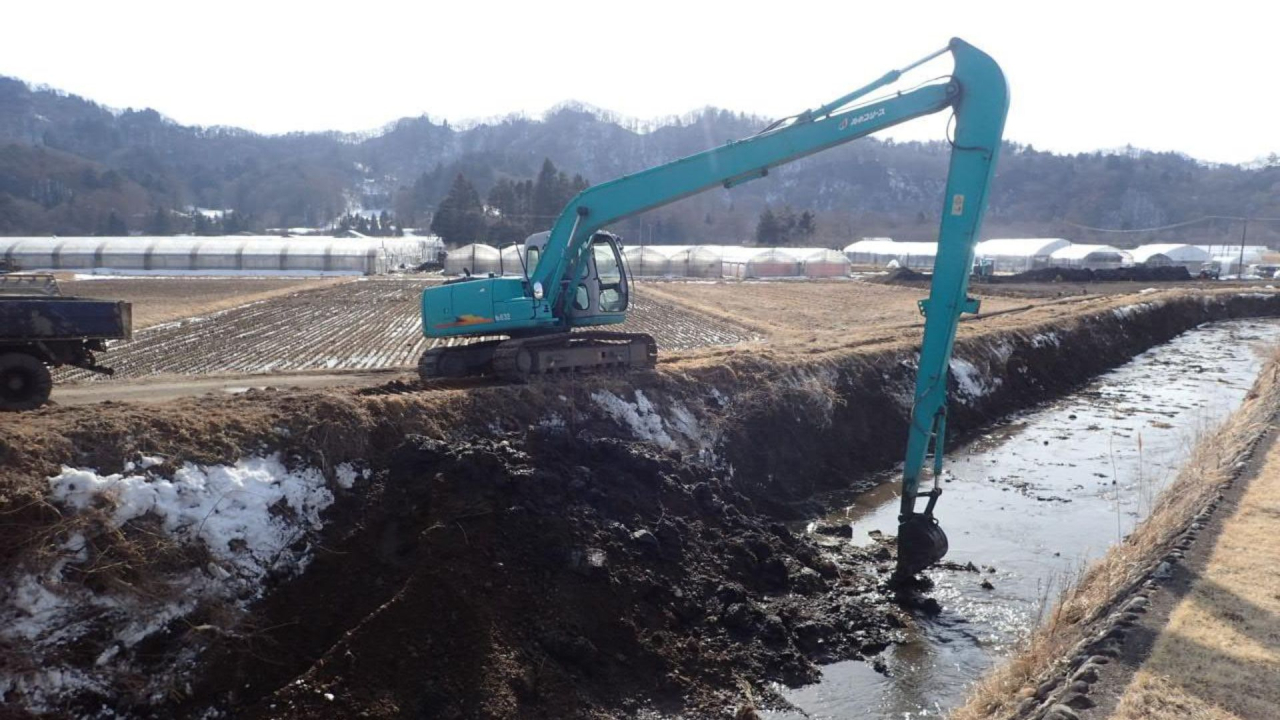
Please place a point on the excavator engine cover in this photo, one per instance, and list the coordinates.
(921, 543)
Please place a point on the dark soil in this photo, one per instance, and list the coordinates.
(1140, 273)
(553, 577)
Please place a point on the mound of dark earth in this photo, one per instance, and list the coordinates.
(550, 577)
(1139, 273)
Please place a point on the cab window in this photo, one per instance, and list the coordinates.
(606, 263)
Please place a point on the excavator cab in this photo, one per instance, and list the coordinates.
(602, 292)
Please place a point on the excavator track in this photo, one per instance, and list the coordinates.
(520, 359)
(457, 361)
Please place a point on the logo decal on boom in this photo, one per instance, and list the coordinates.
(864, 117)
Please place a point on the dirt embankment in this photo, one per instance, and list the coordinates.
(512, 550)
(549, 576)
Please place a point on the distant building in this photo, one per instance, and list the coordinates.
(1189, 256)
(879, 252)
(1090, 257)
(218, 255)
(1015, 255)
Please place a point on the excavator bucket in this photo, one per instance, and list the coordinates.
(921, 543)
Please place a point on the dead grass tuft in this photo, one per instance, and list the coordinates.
(1154, 696)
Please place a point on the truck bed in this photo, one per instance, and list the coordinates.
(43, 318)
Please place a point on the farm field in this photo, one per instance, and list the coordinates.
(817, 313)
(364, 325)
(160, 300)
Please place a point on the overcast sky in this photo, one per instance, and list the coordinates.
(1084, 75)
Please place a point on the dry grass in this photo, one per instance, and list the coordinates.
(1220, 651)
(1092, 598)
(807, 312)
(1152, 696)
(161, 300)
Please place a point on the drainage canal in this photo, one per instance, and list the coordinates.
(1027, 506)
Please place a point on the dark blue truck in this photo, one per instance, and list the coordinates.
(40, 328)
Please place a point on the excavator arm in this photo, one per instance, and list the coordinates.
(524, 307)
(979, 96)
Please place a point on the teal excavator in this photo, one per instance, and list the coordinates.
(574, 277)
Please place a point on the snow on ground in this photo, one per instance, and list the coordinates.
(1127, 311)
(641, 416)
(971, 383)
(227, 508)
(254, 519)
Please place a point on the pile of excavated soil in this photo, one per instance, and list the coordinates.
(555, 577)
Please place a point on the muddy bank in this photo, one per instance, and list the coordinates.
(548, 576)
(515, 545)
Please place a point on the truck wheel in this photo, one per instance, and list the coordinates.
(25, 382)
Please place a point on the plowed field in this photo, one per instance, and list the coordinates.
(163, 299)
(362, 325)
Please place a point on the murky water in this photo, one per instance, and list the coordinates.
(1035, 500)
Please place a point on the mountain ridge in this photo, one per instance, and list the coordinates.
(870, 187)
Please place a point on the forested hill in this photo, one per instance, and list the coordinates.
(68, 165)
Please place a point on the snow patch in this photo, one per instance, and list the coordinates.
(254, 519)
(1125, 312)
(971, 383)
(237, 511)
(640, 417)
(1046, 339)
(554, 421)
(346, 475)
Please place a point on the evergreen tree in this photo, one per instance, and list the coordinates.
(768, 229)
(232, 223)
(160, 224)
(806, 225)
(552, 190)
(785, 227)
(460, 217)
(114, 226)
(200, 224)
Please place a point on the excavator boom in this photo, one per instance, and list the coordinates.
(574, 276)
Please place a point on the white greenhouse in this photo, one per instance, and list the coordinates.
(1090, 257)
(876, 252)
(1015, 255)
(751, 262)
(1252, 253)
(476, 258)
(648, 261)
(700, 261)
(225, 255)
(881, 252)
(1189, 256)
(820, 262)
(1150, 258)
